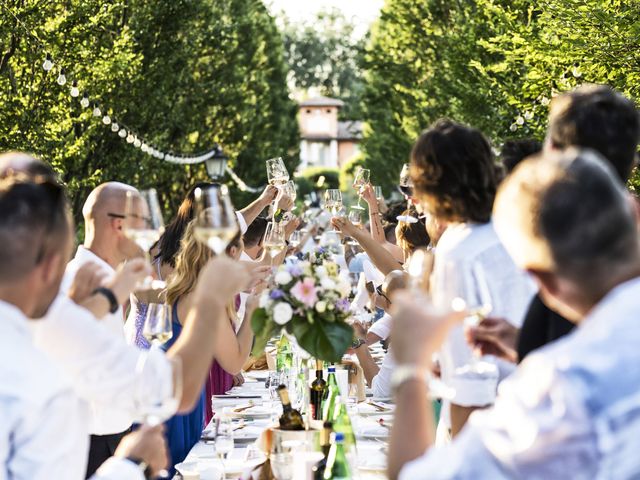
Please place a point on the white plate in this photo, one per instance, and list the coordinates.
(373, 432)
(257, 411)
(257, 374)
(206, 470)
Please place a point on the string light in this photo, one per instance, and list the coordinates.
(84, 103)
(544, 101)
(124, 133)
(528, 115)
(575, 71)
(48, 63)
(520, 120)
(62, 79)
(513, 127)
(74, 92)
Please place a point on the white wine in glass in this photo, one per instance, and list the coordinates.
(277, 173)
(333, 200)
(360, 182)
(274, 241)
(216, 223)
(157, 324)
(143, 224)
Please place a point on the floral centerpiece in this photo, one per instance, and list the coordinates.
(311, 302)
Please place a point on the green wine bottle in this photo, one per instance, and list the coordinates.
(329, 400)
(284, 355)
(325, 446)
(342, 424)
(337, 465)
(290, 418)
(317, 390)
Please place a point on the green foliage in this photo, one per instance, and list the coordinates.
(186, 74)
(324, 54)
(313, 174)
(493, 64)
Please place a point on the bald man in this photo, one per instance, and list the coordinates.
(106, 246)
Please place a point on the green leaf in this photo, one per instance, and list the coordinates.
(323, 340)
(263, 328)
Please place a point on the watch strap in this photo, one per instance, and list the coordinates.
(110, 296)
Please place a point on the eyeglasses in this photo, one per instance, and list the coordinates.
(381, 293)
(132, 215)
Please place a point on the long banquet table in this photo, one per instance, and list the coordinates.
(371, 436)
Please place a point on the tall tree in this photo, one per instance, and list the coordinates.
(186, 74)
(324, 54)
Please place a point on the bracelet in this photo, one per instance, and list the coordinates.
(111, 298)
(358, 343)
(405, 373)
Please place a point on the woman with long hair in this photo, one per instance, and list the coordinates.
(183, 431)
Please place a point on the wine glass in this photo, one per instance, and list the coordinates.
(360, 182)
(406, 188)
(295, 239)
(476, 311)
(377, 190)
(274, 241)
(153, 404)
(333, 200)
(355, 217)
(277, 173)
(216, 223)
(157, 324)
(144, 225)
(223, 439)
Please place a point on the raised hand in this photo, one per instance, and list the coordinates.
(344, 226)
(89, 277)
(146, 444)
(128, 275)
(494, 336)
(418, 328)
(268, 195)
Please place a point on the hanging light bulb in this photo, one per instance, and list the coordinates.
(519, 120)
(144, 148)
(137, 143)
(544, 101)
(513, 127)
(122, 133)
(84, 103)
(48, 63)
(575, 71)
(74, 89)
(528, 115)
(115, 127)
(106, 119)
(62, 79)
(96, 110)
(130, 138)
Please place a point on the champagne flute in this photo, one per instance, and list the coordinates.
(377, 190)
(274, 241)
(216, 223)
(277, 173)
(143, 224)
(406, 188)
(333, 200)
(360, 181)
(157, 327)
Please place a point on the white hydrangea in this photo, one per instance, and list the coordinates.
(321, 272)
(283, 277)
(327, 283)
(282, 313)
(265, 301)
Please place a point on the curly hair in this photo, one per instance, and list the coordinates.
(190, 260)
(453, 172)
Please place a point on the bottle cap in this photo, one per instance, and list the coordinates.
(339, 437)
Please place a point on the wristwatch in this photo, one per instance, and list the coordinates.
(109, 295)
(141, 464)
(405, 373)
(358, 343)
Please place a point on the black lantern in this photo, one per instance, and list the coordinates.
(217, 164)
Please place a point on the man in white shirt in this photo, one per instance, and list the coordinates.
(572, 408)
(470, 262)
(99, 365)
(105, 245)
(42, 432)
